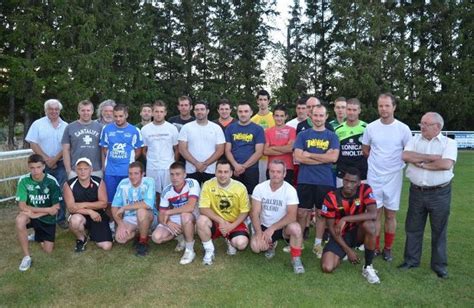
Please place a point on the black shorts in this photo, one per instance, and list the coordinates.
(350, 237)
(201, 177)
(249, 178)
(311, 196)
(277, 235)
(99, 231)
(289, 177)
(43, 231)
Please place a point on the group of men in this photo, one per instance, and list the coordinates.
(210, 178)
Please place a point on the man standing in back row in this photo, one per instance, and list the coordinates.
(383, 142)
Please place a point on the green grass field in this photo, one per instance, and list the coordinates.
(117, 278)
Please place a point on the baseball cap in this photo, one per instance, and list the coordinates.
(84, 160)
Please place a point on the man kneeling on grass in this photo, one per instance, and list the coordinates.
(86, 199)
(178, 211)
(350, 211)
(274, 209)
(38, 196)
(133, 208)
(223, 205)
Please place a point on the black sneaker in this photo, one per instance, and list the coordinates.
(387, 255)
(81, 245)
(142, 250)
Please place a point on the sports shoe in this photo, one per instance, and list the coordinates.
(31, 237)
(270, 253)
(298, 267)
(81, 245)
(208, 257)
(181, 243)
(318, 250)
(377, 252)
(387, 255)
(25, 263)
(361, 247)
(63, 224)
(188, 257)
(231, 250)
(142, 250)
(371, 274)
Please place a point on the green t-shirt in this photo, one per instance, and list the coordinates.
(45, 193)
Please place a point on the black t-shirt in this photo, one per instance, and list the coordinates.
(303, 125)
(178, 122)
(85, 194)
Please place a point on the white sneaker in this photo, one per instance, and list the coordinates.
(231, 250)
(270, 253)
(188, 257)
(25, 263)
(181, 243)
(287, 248)
(298, 267)
(208, 257)
(361, 247)
(318, 250)
(31, 237)
(371, 274)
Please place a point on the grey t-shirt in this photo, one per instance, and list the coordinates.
(84, 142)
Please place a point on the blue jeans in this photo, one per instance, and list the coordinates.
(60, 174)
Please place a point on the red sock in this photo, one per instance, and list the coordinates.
(377, 242)
(295, 252)
(143, 239)
(389, 238)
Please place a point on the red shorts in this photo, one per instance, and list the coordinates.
(239, 230)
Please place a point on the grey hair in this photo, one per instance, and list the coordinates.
(279, 162)
(107, 102)
(438, 118)
(52, 102)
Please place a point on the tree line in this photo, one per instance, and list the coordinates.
(137, 51)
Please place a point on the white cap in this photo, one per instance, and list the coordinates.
(84, 160)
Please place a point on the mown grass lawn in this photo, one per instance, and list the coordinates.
(118, 278)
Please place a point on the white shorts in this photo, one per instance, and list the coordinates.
(387, 189)
(339, 182)
(132, 220)
(161, 177)
(177, 220)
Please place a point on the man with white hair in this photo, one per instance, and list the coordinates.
(44, 137)
(105, 112)
(431, 158)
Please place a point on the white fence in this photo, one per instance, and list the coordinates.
(12, 155)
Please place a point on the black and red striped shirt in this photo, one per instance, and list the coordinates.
(336, 206)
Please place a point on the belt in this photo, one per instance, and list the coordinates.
(430, 188)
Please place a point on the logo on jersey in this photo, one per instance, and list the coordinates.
(318, 144)
(357, 202)
(30, 187)
(242, 137)
(118, 150)
(224, 206)
(87, 139)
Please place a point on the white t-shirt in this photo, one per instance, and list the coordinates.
(202, 141)
(386, 142)
(274, 203)
(294, 123)
(160, 140)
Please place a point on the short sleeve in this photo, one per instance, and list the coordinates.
(220, 138)
(244, 200)
(150, 195)
(119, 199)
(450, 150)
(56, 196)
(366, 140)
(183, 134)
(328, 208)
(194, 189)
(410, 146)
(257, 192)
(292, 196)
(205, 198)
(21, 193)
(104, 140)
(299, 142)
(33, 133)
(174, 134)
(138, 140)
(260, 135)
(334, 141)
(66, 139)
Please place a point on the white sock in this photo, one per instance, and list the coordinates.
(318, 241)
(208, 245)
(180, 238)
(189, 245)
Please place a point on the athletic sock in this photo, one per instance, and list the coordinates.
(143, 239)
(208, 245)
(389, 238)
(369, 257)
(377, 242)
(318, 241)
(189, 245)
(295, 252)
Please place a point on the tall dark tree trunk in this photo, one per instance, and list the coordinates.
(11, 123)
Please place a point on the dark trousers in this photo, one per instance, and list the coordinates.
(436, 204)
(60, 174)
(201, 177)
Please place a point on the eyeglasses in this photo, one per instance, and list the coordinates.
(426, 124)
